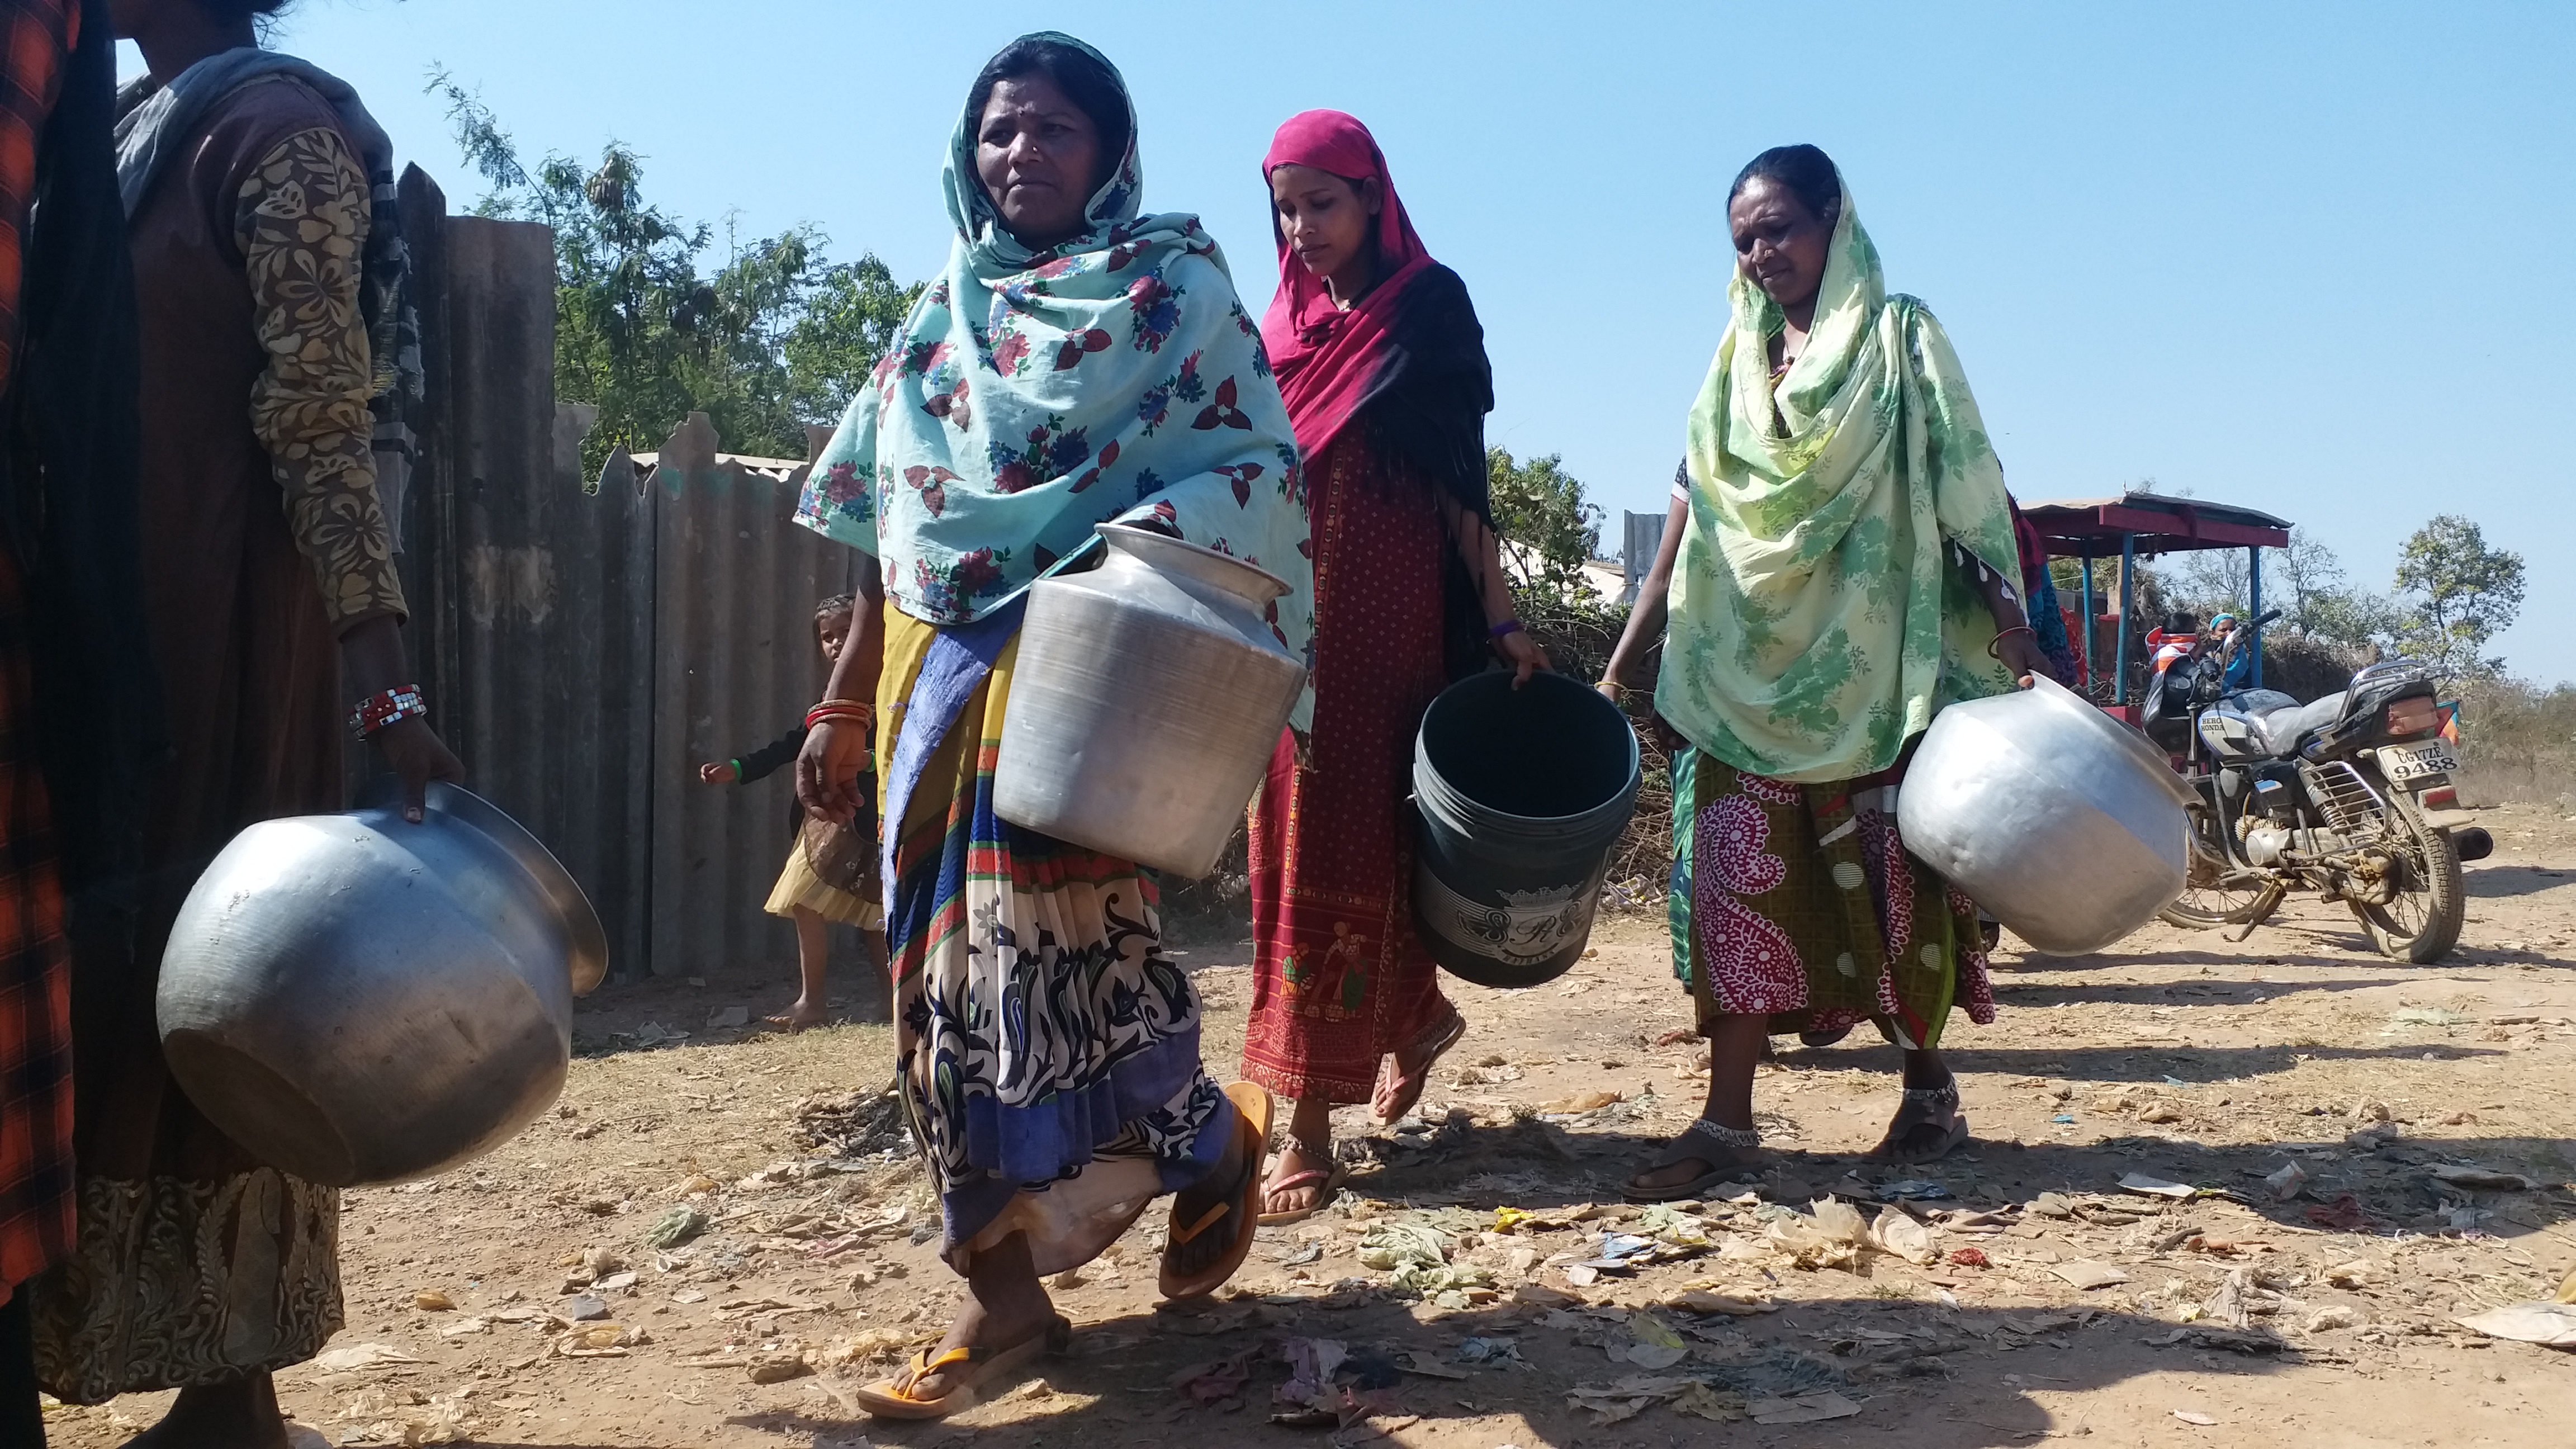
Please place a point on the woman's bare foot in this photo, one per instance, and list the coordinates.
(1005, 1306)
(804, 1013)
(1401, 1080)
(1223, 1184)
(242, 1414)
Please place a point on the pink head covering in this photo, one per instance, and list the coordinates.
(1328, 359)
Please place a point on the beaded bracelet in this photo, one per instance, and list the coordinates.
(387, 707)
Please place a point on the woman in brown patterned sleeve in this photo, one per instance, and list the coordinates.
(273, 605)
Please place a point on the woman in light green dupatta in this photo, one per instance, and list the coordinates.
(1838, 565)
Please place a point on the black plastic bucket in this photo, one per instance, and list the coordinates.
(1520, 795)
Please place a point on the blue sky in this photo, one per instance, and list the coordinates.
(2312, 258)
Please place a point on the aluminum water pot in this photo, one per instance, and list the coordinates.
(357, 999)
(2064, 824)
(1147, 698)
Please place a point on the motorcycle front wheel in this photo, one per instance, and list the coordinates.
(2218, 892)
(2421, 920)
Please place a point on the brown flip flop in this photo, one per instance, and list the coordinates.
(894, 1398)
(1252, 1128)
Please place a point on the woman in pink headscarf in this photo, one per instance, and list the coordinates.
(1382, 363)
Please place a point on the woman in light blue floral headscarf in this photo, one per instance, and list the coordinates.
(1076, 363)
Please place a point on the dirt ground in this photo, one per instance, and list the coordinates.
(2231, 1316)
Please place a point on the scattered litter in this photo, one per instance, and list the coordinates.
(2052, 1205)
(2483, 1179)
(1970, 1258)
(597, 1340)
(464, 1327)
(1311, 1253)
(776, 1368)
(1734, 1305)
(729, 1017)
(2139, 1182)
(676, 1226)
(360, 1356)
(1701, 1401)
(583, 1307)
(2328, 1319)
(1579, 1104)
(1911, 1190)
(2427, 1016)
(2089, 1273)
(2551, 1325)
(2190, 1417)
(1490, 1353)
(1804, 1409)
(2062, 1118)
(2343, 1215)
(2287, 1183)
(1899, 1233)
(432, 1301)
(1214, 1383)
(2371, 1109)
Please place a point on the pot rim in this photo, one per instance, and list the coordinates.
(588, 940)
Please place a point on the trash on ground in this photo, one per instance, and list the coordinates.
(359, 1356)
(2089, 1273)
(1804, 1409)
(2483, 1179)
(2139, 1182)
(2287, 1183)
(2549, 1324)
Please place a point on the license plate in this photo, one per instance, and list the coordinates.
(2401, 763)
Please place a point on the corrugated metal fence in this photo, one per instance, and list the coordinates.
(587, 643)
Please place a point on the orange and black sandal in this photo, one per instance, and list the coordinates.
(1252, 1132)
(894, 1398)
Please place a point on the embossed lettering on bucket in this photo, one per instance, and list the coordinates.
(1520, 794)
(358, 999)
(1146, 701)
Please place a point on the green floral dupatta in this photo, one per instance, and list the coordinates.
(1824, 604)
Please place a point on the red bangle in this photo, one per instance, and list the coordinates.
(387, 707)
(832, 709)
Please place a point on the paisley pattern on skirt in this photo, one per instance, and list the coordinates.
(1800, 903)
(219, 1278)
(1048, 1051)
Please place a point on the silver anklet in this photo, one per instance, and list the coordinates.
(1742, 1139)
(1945, 1095)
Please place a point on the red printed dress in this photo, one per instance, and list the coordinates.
(1340, 981)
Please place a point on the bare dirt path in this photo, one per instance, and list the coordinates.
(2229, 1317)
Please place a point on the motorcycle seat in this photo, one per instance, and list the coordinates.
(2280, 727)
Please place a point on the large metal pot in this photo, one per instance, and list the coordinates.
(1147, 699)
(2062, 823)
(357, 999)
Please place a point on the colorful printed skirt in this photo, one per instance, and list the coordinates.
(1339, 980)
(1047, 1049)
(1799, 903)
(36, 1185)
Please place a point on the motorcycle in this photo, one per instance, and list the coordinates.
(2350, 796)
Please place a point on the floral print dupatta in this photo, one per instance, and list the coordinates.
(1824, 604)
(1035, 395)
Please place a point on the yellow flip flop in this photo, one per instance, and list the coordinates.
(1252, 1128)
(894, 1398)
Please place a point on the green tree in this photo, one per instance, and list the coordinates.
(1547, 527)
(778, 337)
(2458, 594)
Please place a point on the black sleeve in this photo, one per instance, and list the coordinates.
(771, 757)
